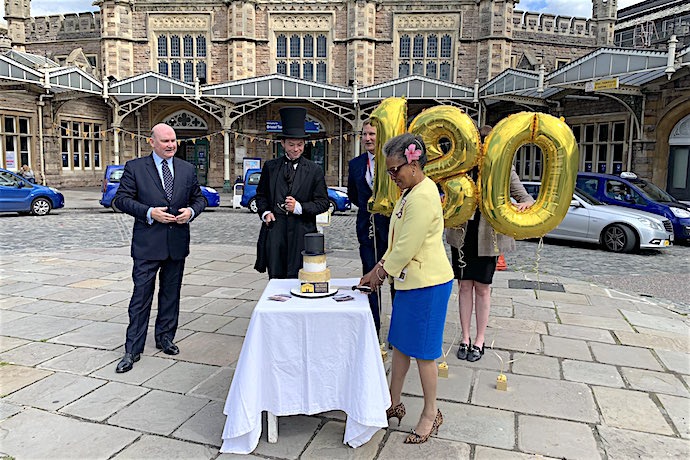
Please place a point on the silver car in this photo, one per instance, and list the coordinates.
(615, 228)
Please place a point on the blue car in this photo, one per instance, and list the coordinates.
(111, 182)
(19, 195)
(630, 191)
(337, 199)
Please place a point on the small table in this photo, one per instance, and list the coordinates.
(307, 356)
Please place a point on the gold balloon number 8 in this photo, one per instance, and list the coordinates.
(450, 125)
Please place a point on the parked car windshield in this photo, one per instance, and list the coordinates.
(587, 198)
(654, 192)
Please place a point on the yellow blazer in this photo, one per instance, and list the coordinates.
(416, 256)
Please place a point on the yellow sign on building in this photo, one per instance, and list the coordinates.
(602, 85)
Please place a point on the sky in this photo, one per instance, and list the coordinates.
(580, 8)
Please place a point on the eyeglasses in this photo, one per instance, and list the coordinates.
(395, 170)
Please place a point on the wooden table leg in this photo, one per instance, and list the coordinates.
(272, 427)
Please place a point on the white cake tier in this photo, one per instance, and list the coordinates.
(314, 267)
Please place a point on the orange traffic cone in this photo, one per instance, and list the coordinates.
(501, 264)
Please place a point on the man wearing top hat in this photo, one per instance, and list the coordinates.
(291, 192)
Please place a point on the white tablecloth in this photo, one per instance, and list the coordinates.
(306, 356)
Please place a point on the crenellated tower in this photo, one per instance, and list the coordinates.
(604, 14)
(242, 47)
(117, 38)
(494, 37)
(361, 41)
(17, 14)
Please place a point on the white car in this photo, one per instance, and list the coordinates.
(615, 228)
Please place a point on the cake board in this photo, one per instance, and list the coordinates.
(312, 295)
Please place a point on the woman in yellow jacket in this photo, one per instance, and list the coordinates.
(423, 278)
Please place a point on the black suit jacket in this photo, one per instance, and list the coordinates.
(359, 193)
(140, 189)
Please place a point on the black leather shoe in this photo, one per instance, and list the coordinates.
(463, 349)
(127, 362)
(475, 353)
(168, 347)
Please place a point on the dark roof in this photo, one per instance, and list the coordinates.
(647, 7)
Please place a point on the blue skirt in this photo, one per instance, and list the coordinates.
(418, 319)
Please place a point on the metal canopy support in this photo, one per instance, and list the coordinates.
(124, 109)
(345, 113)
(217, 111)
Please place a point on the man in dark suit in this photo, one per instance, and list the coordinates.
(162, 193)
(291, 192)
(372, 229)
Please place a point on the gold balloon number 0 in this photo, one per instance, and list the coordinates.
(464, 150)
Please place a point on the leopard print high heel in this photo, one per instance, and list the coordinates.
(397, 411)
(414, 438)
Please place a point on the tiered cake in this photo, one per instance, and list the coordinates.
(314, 277)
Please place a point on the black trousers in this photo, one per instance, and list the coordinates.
(169, 285)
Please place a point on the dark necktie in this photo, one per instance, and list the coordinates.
(167, 180)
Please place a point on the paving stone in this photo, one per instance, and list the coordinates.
(519, 325)
(10, 315)
(7, 409)
(454, 388)
(13, 378)
(61, 436)
(294, 432)
(616, 324)
(580, 332)
(55, 391)
(33, 353)
(675, 361)
(208, 323)
(565, 297)
(81, 361)
(158, 412)
(328, 443)
(633, 410)
(40, 327)
(193, 303)
(557, 438)
(109, 298)
(534, 313)
(656, 342)
(622, 444)
(522, 294)
(156, 447)
(652, 309)
(519, 301)
(102, 335)
(215, 387)
(8, 303)
(657, 382)
(538, 396)
(195, 291)
(488, 453)
(678, 409)
(528, 341)
(592, 373)
(218, 306)
(227, 293)
(243, 310)
(143, 370)
(676, 326)
(492, 359)
(395, 449)
(15, 288)
(238, 327)
(101, 313)
(599, 310)
(8, 343)
(72, 295)
(536, 365)
(104, 401)
(566, 348)
(195, 348)
(620, 355)
(499, 301)
(205, 427)
(91, 283)
(73, 309)
(181, 377)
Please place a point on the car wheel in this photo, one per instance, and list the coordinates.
(618, 238)
(252, 205)
(332, 206)
(41, 206)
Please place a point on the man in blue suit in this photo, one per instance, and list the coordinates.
(372, 229)
(162, 193)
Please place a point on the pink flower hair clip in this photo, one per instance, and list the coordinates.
(412, 153)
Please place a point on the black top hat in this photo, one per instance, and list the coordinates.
(293, 119)
(313, 244)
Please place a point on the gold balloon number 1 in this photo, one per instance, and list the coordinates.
(464, 150)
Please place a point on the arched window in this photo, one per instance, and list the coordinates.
(432, 46)
(431, 69)
(446, 46)
(321, 46)
(294, 69)
(201, 70)
(163, 68)
(175, 69)
(418, 68)
(281, 68)
(201, 46)
(281, 46)
(308, 71)
(321, 72)
(445, 71)
(405, 46)
(175, 46)
(163, 46)
(418, 46)
(188, 71)
(403, 69)
(295, 46)
(188, 46)
(308, 46)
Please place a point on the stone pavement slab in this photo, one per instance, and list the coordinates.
(7, 409)
(181, 377)
(195, 348)
(41, 327)
(328, 443)
(580, 332)
(206, 426)
(10, 315)
(294, 433)
(654, 341)
(657, 382)
(633, 410)
(454, 388)
(208, 323)
(620, 355)
(678, 409)
(8, 343)
(216, 387)
(557, 438)
(676, 326)
(104, 401)
(13, 378)
(158, 412)
(33, 353)
(536, 365)
(599, 322)
(38, 434)
(143, 370)
(538, 396)
(104, 335)
(435, 448)
(237, 326)
(566, 348)
(488, 453)
(675, 361)
(622, 444)
(528, 341)
(55, 391)
(156, 447)
(82, 361)
(546, 315)
(592, 373)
